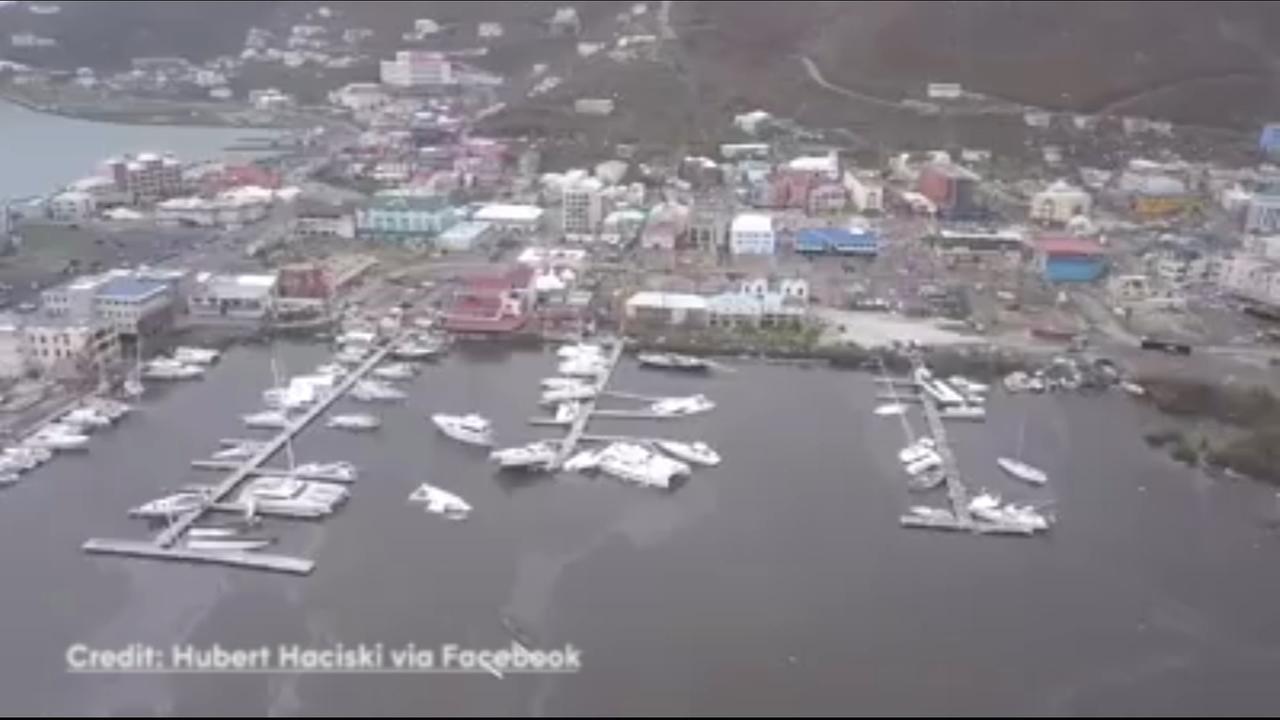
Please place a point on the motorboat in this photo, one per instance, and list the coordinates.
(441, 502)
(932, 513)
(673, 361)
(637, 464)
(697, 452)
(1023, 471)
(340, 471)
(472, 429)
(171, 505)
(963, 412)
(583, 367)
(8, 479)
(357, 338)
(1027, 516)
(916, 450)
(418, 348)
(395, 371)
(242, 451)
(58, 437)
(228, 544)
(292, 496)
(580, 351)
(87, 418)
(583, 461)
(568, 412)
(568, 393)
(538, 455)
(890, 409)
(25, 458)
(355, 421)
(195, 355)
(267, 420)
(350, 355)
(1016, 381)
(557, 383)
(691, 405)
(376, 391)
(169, 369)
(926, 461)
(988, 506)
(111, 409)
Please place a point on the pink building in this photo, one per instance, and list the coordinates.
(827, 198)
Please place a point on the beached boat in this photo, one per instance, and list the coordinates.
(697, 452)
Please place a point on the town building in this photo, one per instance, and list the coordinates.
(865, 194)
(1262, 213)
(71, 206)
(405, 218)
(851, 241)
(1129, 289)
(360, 98)
(1059, 203)
(135, 306)
(511, 218)
(270, 99)
(491, 303)
(761, 302)
(621, 227)
(582, 207)
(952, 189)
(666, 227)
(466, 236)
(229, 209)
(709, 222)
(323, 220)
(103, 190)
(827, 198)
(565, 21)
(1154, 192)
(660, 309)
(752, 234)
(249, 298)
(147, 177)
(1066, 258)
(976, 245)
(417, 69)
(593, 106)
(66, 348)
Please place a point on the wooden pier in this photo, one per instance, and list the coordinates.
(161, 547)
(630, 396)
(587, 409)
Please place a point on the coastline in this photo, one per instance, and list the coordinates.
(188, 114)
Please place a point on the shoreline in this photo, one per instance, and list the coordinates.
(169, 117)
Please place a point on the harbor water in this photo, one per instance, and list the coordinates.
(777, 582)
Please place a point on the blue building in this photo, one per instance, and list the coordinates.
(1269, 141)
(858, 241)
(1064, 258)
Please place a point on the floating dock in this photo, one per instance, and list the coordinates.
(630, 396)
(587, 409)
(161, 547)
(226, 465)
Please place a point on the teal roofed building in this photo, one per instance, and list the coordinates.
(405, 218)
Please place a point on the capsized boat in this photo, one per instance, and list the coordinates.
(441, 502)
(673, 407)
(697, 452)
(673, 361)
(1023, 471)
(354, 421)
(537, 455)
(472, 429)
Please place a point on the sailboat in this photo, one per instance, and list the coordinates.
(133, 387)
(1019, 469)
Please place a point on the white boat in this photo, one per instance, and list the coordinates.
(633, 463)
(376, 391)
(333, 369)
(350, 356)
(890, 409)
(168, 369)
(340, 471)
(916, 450)
(213, 532)
(86, 418)
(583, 367)
(472, 429)
(133, 387)
(1023, 471)
(673, 361)
(583, 461)
(568, 412)
(355, 421)
(441, 502)
(1026, 515)
(569, 393)
(395, 371)
(418, 348)
(8, 478)
(228, 544)
(58, 437)
(1016, 381)
(963, 412)
(557, 383)
(243, 451)
(986, 506)
(357, 338)
(171, 505)
(293, 496)
(112, 409)
(698, 452)
(538, 455)
(580, 350)
(195, 355)
(25, 458)
(931, 513)
(927, 461)
(267, 420)
(672, 407)
(1133, 388)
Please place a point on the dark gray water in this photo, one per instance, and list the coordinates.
(778, 582)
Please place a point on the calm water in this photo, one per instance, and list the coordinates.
(40, 153)
(778, 582)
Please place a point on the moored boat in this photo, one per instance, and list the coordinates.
(673, 361)
(1023, 471)
(695, 452)
(472, 429)
(354, 421)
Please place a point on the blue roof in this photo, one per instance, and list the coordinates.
(127, 288)
(836, 239)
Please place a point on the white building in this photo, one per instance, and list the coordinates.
(67, 348)
(1060, 202)
(513, 218)
(1263, 214)
(360, 97)
(582, 206)
(827, 166)
(593, 106)
(1253, 278)
(666, 308)
(230, 209)
(269, 99)
(233, 297)
(465, 236)
(71, 206)
(752, 234)
(865, 195)
(758, 302)
(13, 358)
(417, 68)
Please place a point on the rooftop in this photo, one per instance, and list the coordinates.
(128, 288)
(1068, 245)
(752, 222)
(667, 300)
(508, 213)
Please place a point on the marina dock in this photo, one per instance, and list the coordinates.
(956, 491)
(630, 396)
(228, 465)
(161, 547)
(588, 409)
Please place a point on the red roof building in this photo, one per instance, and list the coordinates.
(491, 303)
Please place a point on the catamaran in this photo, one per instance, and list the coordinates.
(697, 452)
(472, 429)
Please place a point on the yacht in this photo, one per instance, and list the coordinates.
(1023, 471)
(441, 502)
(568, 412)
(673, 361)
(1027, 516)
(580, 351)
(171, 505)
(267, 420)
(671, 407)
(357, 338)
(418, 348)
(227, 544)
(698, 452)
(292, 496)
(168, 369)
(633, 463)
(213, 532)
(350, 356)
(537, 455)
(340, 471)
(58, 437)
(583, 460)
(395, 371)
(375, 391)
(85, 418)
(240, 451)
(25, 458)
(471, 429)
(355, 421)
(559, 383)
(927, 461)
(963, 412)
(195, 355)
(916, 450)
(570, 393)
(987, 506)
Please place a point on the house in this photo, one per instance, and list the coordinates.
(511, 218)
(621, 227)
(1066, 258)
(71, 207)
(865, 194)
(1128, 289)
(417, 69)
(269, 99)
(360, 97)
(404, 218)
(66, 347)
(233, 297)
(758, 302)
(147, 177)
(666, 308)
(709, 222)
(752, 234)
(827, 198)
(1060, 202)
(322, 220)
(1154, 192)
(666, 226)
(565, 21)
